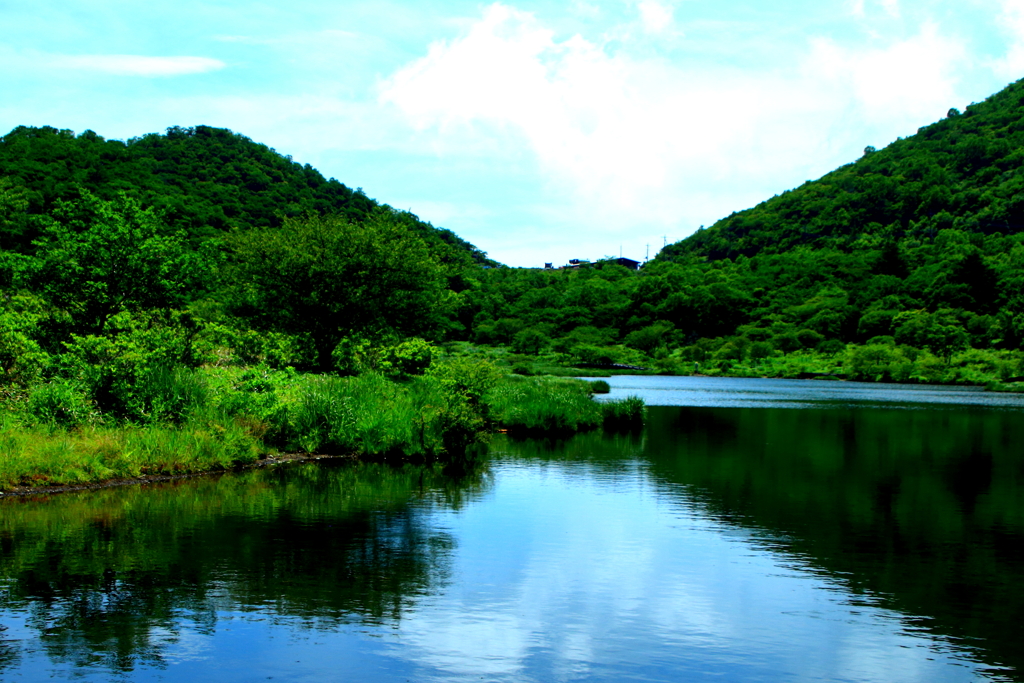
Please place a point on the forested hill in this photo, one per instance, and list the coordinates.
(964, 172)
(204, 180)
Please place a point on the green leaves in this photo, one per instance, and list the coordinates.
(327, 278)
(99, 258)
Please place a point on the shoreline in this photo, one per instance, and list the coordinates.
(270, 461)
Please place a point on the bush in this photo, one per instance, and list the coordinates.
(529, 341)
(759, 350)
(543, 405)
(600, 387)
(809, 339)
(354, 356)
(629, 413)
(125, 370)
(61, 403)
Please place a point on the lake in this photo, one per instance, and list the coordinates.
(755, 530)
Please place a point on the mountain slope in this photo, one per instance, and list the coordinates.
(205, 180)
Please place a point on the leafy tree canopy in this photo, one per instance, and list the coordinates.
(327, 278)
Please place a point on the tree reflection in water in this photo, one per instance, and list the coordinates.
(111, 578)
(915, 509)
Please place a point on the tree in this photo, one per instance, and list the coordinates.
(13, 213)
(100, 257)
(940, 331)
(326, 278)
(530, 341)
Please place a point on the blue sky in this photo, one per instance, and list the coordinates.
(538, 131)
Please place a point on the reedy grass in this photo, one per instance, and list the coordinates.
(627, 414)
(42, 455)
(217, 418)
(530, 404)
(372, 416)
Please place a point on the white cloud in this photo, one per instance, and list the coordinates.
(1012, 22)
(892, 7)
(636, 140)
(136, 65)
(910, 80)
(655, 16)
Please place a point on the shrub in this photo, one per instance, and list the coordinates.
(629, 413)
(543, 405)
(353, 356)
(529, 341)
(61, 403)
(809, 339)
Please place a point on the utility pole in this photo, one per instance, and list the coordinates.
(647, 257)
(664, 241)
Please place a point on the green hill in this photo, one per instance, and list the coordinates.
(203, 180)
(916, 247)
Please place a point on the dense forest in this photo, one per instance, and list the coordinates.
(202, 180)
(195, 300)
(141, 277)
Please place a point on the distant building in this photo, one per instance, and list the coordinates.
(627, 263)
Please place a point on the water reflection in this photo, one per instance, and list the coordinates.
(115, 578)
(721, 543)
(921, 512)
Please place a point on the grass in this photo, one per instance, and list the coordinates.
(531, 405)
(43, 455)
(624, 415)
(217, 418)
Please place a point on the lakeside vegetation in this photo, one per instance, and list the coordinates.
(215, 418)
(193, 299)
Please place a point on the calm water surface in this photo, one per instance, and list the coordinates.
(876, 534)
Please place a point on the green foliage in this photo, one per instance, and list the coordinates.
(648, 338)
(22, 359)
(205, 181)
(627, 414)
(960, 172)
(44, 456)
(137, 368)
(940, 331)
(228, 345)
(327, 278)
(60, 403)
(100, 258)
(529, 341)
(536, 405)
(353, 356)
(471, 378)
(600, 387)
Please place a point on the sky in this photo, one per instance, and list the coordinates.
(538, 131)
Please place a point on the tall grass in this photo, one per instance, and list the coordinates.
(43, 455)
(370, 415)
(531, 404)
(623, 415)
(195, 420)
